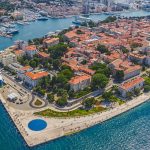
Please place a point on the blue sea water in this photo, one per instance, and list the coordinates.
(129, 131)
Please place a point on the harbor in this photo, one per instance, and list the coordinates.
(37, 28)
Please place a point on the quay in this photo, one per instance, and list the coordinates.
(58, 127)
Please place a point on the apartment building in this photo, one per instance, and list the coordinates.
(21, 72)
(80, 82)
(130, 86)
(50, 42)
(31, 50)
(8, 58)
(32, 78)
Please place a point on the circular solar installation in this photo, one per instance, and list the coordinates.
(37, 125)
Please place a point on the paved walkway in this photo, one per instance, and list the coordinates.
(57, 127)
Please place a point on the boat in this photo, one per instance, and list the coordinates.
(80, 19)
(42, 18)
(12, 31)
(20, 23)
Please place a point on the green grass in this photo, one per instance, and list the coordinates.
(116, 99)
(81, 93)
(38, 103)
(74, 113)
(111, 99)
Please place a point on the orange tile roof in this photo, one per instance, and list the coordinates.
(18, 52)
(35, 76)
(50, 40)
(87, 70)
(137, 56)
(31, 48)
(132, 83)
(43, 54)
(132, 68)
(79, 79)
(113, 56)
(71, 34)
(25, 68)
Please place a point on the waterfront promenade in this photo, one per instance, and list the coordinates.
(58, 127)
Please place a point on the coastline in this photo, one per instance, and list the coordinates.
(58, 127)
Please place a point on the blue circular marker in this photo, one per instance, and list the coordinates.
(37, 125)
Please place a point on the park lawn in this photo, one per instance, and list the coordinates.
(74, 113)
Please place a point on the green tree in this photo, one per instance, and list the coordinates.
(99, 81)
(109, 19)
(50, 98)
(137, 91)
(129, 95)
(61, 101)
(33, 64)
(119, 75)
(101, 68)
(124, 49)
(102, 48)
(89, 103)
(84, 62)
(79, 31)
(58, 50)
(107, 95)
(146, 88)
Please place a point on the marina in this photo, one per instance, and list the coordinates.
(37, 28)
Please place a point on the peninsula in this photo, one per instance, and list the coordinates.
(72, 79)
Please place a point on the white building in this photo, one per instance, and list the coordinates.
(80, 82)
(6, 59)
(1, 80)
(50, 42)
(130, 86)
(21, 72)
(31, 50)
(32, 78)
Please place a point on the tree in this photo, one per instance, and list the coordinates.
(84, 62)
(58, 50)
(79, 32)
(102, 48)
(129, 95)
(137, 91)
(107, 95)
(50, 98)
(89, 102)
(101, 68)
(67, 73)
(61, 101)
(56, 63)
(146, 88)
(119, 75)
(124, 49)
(33, 64)
(99, 81)
(109, 19)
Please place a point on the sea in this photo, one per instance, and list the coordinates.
(128, 131)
